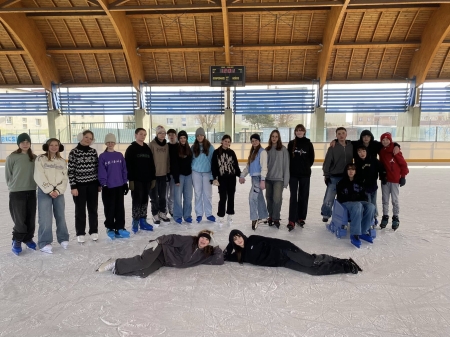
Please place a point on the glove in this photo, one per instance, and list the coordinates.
(384, 182)
(262, 185)
(327, 181)
(131, 185)
(402, 181)
(168, 178)
(153, 183)
(153, 244)
(215, 182)
(125, 189)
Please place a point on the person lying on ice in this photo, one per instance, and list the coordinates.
(178, 251)
(270, 252)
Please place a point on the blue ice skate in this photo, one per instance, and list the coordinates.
(366, 237)
(111, 234)
(199, 219)
(31, 244)
(188, 219)
(178, 220)
(135, 226)
(122, 233)
(16, 247)
(354, 239)
(211, 218)
(144, 225)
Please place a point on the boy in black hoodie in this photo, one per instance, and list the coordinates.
(351, 194)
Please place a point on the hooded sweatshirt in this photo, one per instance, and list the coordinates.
(160, 151)
(395, 166)
(337, 158)
(301, 155)
(259, 250)
(180, 253)
(140, 164)
(369, 169)
(350, 190)
(374, 145)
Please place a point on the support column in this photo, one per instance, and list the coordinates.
(408, 125)
(318, 125)
(56, 124)
(139, 115)
(229, 129)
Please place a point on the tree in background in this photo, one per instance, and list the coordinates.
(284, 120)
(130, 119)
(207, 121)
(260, 121)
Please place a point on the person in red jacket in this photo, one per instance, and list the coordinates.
(396, 171)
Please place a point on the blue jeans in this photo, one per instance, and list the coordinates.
(258, 209)
(182, 201)
(274, 197)
(328, 199)
(46, 212)
(361, 215)
(372, 198)
(203, 193)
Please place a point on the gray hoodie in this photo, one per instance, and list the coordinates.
(337, 158)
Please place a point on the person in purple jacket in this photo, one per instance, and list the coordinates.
(112, 175)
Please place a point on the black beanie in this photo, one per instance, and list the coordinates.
(23, 137)
(182, 133)
(255, 136)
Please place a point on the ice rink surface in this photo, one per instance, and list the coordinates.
(404, 289)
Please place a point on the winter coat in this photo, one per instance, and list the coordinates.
(160, 151)
(336, 159)
(140, 164)
(224, 163)
(369, 169)
(180, 253)
(278, 165)
(395, 166)
(82, 166)
(112, 169)
(301, 155)
(51, 175)
(350, 190)
(260, 250)
(179, 165)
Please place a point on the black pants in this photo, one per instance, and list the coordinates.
(139, 199)
(227, 190)
(22, 206)
(298, 202)
(87, 196)
(113, 205)
(313, 264)
(141, 265)
(158, 196)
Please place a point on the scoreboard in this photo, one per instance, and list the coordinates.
(227, 76)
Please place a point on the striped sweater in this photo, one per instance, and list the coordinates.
(83, 166)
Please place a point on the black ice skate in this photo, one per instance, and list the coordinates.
(395, 222)
(384, 221)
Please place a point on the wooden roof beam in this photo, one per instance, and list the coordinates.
(125, 33)
(329, 35)
(226, 32)
(433, 35)
(32, 41)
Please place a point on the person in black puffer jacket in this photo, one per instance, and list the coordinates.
(270, 252)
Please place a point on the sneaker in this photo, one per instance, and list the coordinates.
(354, 239)
(144, 225)
(111, 234)
(47, 249)
(230, 218)
(80, 238)
(163, 217)
(122, 233)
(291, 225)
(301, 223)
(94, 236)
(325, 219)
(107, 265)
(366, 237)
(188, 219)
(384, 221)
(16, 247)
(135, 226)
(199, 219)
(156, 219)
(211, 218)
(254, 224)
(179, 220)
(31, 244)
(65, 244)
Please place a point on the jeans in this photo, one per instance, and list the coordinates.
(47, 207)
(258, 209)
(298, 202)
(372, 198)
(113, 207)
(361, 215)
(274, 198)
(227, 190)
(203, 193)
(158, 196)
(170, 195)
(87, 196)
(139, 199)
(391, 190)
(182, 206)
(22, 206)
(328, 199)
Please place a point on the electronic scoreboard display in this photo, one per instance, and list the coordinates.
(227, 76)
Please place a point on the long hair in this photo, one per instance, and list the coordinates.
(184, 150)
(208, 250)
(30, 153)
(47, 153)
(223, 138)
(253, 153)
(196, 148)
(300, 127)
(279, 143)
(238, 250)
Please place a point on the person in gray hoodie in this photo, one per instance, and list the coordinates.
(177, 251)
(336, 159)
(277, 177)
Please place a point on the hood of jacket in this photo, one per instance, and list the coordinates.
(366, 133)
(236, 232)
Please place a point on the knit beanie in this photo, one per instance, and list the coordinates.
(171, 131)
(182, 133)
(110, 137)
(386, 135)
(159, 129)
(200, 132)
(255, 136)
(23, 137)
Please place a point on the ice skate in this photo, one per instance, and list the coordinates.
(354, 239)
(269, 221)
(107, 265)
(163, 217)
(144, 225)
(366, 237)
(178, 221)
(355, 264)
(31, 244)
(47, 249)
(135, 226)
(16, 247)
(220, 220)
(111, 234)
(188, 219)
(384, 221)
(291, 226)
(94, 236)
(254, 224)
(301, 223)
(395, 222)
(80, 239)
(211, 218)
(122, 233)
(65, 244)
(199, 219)
(156, 219)
(230, 218)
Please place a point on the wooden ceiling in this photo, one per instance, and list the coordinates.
(173, 42)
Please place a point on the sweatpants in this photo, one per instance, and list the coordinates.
(114, 208)
(22, 206)
(141, 265)
(313, 264)
(139, 199)
(87, 196)
(390, 190)
(298, 202)
(227, 190)
(158, 196)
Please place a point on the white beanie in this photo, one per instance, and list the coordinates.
(110, 137)
(159, 129)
